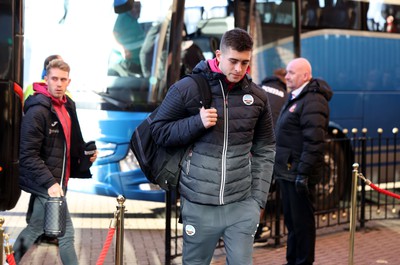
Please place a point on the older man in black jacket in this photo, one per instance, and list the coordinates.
(300, 135)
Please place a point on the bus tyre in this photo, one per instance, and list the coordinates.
(336, 176)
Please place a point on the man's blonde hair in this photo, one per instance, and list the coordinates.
(58, 64)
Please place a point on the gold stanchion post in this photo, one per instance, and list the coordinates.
(8, 249)
(353, 213)
(119, 247)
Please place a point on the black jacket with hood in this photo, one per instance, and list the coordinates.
(277, 94)
(301, 130)
(43, 146)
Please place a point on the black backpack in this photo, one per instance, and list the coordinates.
(159, 164)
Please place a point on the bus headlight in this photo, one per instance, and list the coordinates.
(129, 163)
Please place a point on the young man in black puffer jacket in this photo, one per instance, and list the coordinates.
(226, 175)
(51, 149)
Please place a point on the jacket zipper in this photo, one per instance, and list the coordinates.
(224, 147)
(63, 187)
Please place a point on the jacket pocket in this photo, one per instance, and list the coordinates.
(285, 160)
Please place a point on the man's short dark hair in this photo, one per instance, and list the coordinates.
(237, 39)
(50, 58)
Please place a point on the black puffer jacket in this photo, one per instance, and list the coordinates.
(42, 146)
(231, 161)
(300, 133)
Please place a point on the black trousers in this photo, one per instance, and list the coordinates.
(298, 210)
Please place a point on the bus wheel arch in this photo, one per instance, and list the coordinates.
(337, 172)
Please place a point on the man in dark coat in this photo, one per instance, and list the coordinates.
(51, 149)
(300, 140)
(275, 86)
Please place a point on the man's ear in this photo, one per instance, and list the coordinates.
(218, 55)
(307, 77)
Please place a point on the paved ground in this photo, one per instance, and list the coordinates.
(379, 243)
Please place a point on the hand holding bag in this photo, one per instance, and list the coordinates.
(55, 216)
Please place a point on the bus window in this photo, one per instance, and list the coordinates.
(275, 45)
(355, 58)
(349, 45)
(351, 14)
(121, 68)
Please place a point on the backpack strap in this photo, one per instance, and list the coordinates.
(204, 89)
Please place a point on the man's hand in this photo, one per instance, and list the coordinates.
(208, 117)
(301, 184)
(55, 191)
(94, 157)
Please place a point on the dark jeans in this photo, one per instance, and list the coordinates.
(298, 211)
(34, 229)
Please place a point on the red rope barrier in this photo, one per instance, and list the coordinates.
(373, 186)
(106, 246)
(10, 259)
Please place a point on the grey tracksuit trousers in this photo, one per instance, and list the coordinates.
(204, 225)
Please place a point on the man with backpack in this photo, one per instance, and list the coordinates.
(227, 171)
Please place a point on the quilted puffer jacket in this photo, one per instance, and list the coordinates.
(300, 133)
(42, 146)
(231, 161)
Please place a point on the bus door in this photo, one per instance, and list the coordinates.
(10, 100)
(276, 34)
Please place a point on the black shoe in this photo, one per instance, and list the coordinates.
(259, 232)
(262, 234)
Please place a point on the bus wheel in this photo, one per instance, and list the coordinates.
(336, 173)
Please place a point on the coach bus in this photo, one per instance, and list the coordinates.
(11, 71)
(354, 45)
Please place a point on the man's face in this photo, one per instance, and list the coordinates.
(295, 76)
(57, 82)
(233, 64)
(135, 11)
